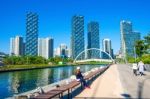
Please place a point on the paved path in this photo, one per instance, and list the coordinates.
(135, 86)
(107, 85)
(118, 82)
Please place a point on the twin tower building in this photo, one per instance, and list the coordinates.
(45, 46)
(92, 50)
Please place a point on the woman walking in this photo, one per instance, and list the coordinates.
(141, 68)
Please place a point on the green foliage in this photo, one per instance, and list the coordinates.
(21, 60)
(143, 48)
(57, 59)
(131, 59)
(139, 45)
(144, 58)
(147, 43)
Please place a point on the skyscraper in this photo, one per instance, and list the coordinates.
(106, 48)
(93, 39)
(17, 46)
(63, 50)
(77, 36)
(31, 45)
(45, 47)
(128, 39)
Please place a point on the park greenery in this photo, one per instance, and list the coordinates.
(30, 60)
(142, 49)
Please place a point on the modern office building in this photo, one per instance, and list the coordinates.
(31, 45)
(107, 48)
(45, 47)
(63, 50)
(17, 46)
(128, 39)
(125, 28)
(93, 40)
(77, 36)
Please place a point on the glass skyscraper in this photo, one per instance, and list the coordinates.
(93, 40)
(77, 36)
(128, 39)
(31, 45)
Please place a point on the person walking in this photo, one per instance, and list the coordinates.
(141, 68)
(135, 67)
(80, 78)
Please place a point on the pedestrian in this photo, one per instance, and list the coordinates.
(141, 68)
(135, 67)
(80, 78)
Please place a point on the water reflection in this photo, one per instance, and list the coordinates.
(20, 81)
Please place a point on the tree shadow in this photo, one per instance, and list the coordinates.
(141, 87)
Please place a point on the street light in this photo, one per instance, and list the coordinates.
(134, 53)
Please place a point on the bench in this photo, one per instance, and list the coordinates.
(68, 87)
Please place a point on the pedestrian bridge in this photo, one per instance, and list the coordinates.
(97, 60)
(100, 59)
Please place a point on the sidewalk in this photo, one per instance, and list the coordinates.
(119, 82)
(135, 86)
(107, 85)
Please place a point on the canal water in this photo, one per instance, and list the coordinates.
(17, 82)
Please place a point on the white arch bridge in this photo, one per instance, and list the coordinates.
(93, 59)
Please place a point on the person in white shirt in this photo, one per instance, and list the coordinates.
(135, 67)
(141, 68)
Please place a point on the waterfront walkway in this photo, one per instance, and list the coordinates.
(119, 82)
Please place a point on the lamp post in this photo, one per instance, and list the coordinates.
(134, 53)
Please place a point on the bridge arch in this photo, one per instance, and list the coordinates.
(92, 49)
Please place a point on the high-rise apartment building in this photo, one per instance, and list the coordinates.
(77, 36)
(107, 48)
(128, 39)
(31, 45)
(63, 50)
(17, 46)
(93, 40)
(45, 47)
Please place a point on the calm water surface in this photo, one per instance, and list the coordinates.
(21, 81)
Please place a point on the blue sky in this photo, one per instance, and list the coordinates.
(55, 18)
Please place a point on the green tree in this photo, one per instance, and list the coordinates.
(139, 47)
(147, 42)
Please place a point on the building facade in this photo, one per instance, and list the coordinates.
(31, 45)
(45, 47)
(77, 36)
(107, 48)
(17, 46)
(93, 40)
(128, 39)
(63, 50)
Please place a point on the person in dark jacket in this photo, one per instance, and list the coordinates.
(80, 78)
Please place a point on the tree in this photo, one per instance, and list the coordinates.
(147, 42)
(139, 47)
